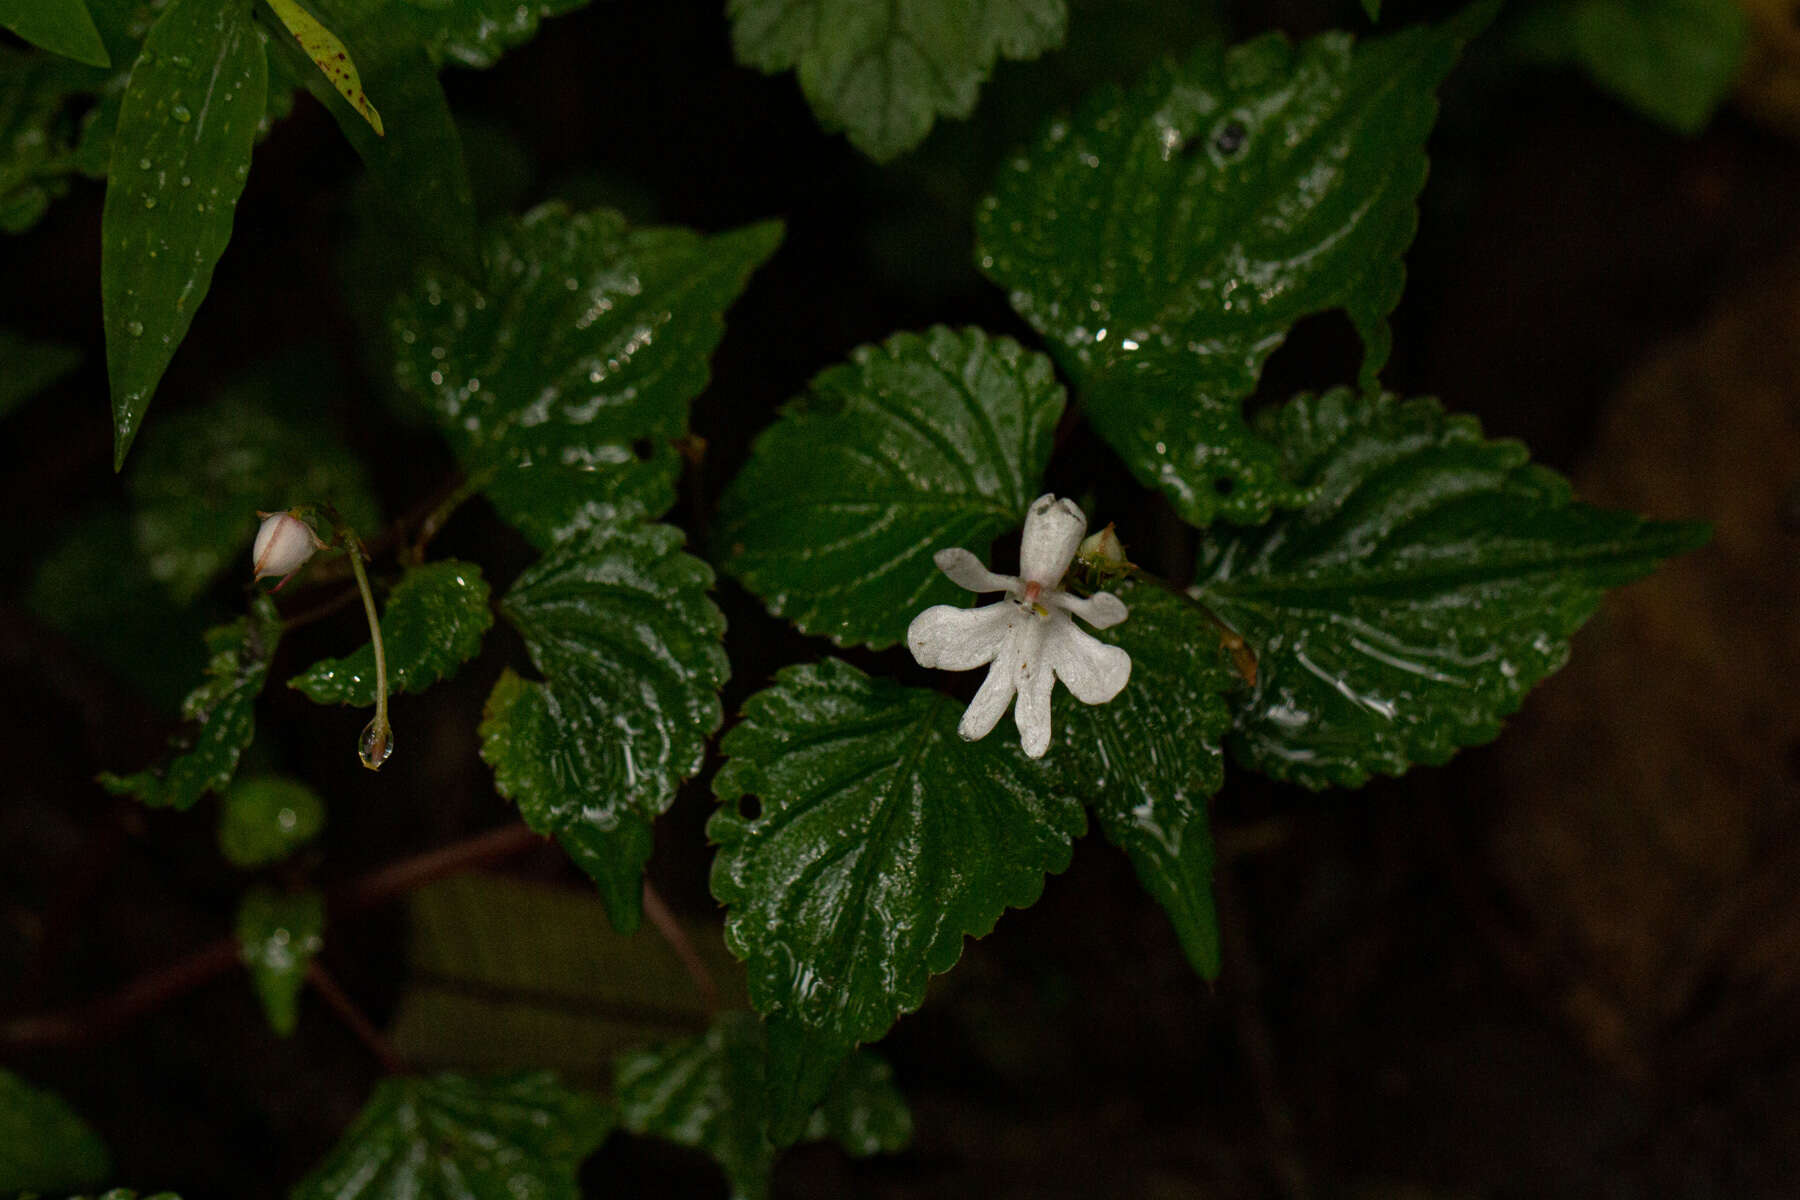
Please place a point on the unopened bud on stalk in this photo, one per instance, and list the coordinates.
(1103, 553)
(283, 544)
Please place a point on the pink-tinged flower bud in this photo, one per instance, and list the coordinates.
(283, 544)
(1103, 552)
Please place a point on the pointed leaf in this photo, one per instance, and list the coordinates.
(917, 445)
(204, 472)
(432, 623)
(329, 55)
(180, 157)
(881, 841)
(1166, 239)
(1153, 754)
(708, 1092)
(1433, 581)
(222, 711)
(44, 1145)
(60, 26)
(277, 936)
(620, 626)
(565, 381)
(1675, 61)
(265, 819)
(884, 73)
(457, 1138)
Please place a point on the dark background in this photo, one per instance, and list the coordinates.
(1565, 965)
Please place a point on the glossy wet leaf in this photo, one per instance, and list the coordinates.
(423, 204)
(1433, 581)
(60, 26)
(708, 1092)
(1151, 757)
(31, 367)
(1675, 61)
(883, 73)
(432, 623)
(505, 973)
(278, 934)
(220, 714)
(329, 54)
(180, 156)
(619, 624)
(451, 1137)
(44, 1145)
(916, 445)
(563, 383)
(1166, 239)
(203, 473)
(879, 840)
(264, 819)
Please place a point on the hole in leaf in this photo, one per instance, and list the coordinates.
(749, 807)
(643, 448)
(1224, 485)
(1230, 138)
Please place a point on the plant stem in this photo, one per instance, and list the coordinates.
(98, 1018)
(378, 737)
(669, 926)
(353, 1017)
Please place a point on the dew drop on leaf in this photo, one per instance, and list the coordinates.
(180, 113)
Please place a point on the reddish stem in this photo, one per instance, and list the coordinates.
(669, 926)
(353, 1017)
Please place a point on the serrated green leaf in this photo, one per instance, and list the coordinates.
(563, 383)
(1167, 238)
(330, 56)
(1153, 754)
(31, 366)
(620, 625)
(423, 202)
(432, 623)
(707, 1092)
(916, 445)
(180, 156)
(457, 1138)
(203, 474)
(883, 73)
(222, 711)
(883, 839)
(265, 819)
(1675, 61)
(44, 1145)
(1432, 582)
(60, 26)
(278, 934)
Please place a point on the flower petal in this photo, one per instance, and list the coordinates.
(1053, 530)
(1093, 670)
(959, 639)
(1102, 610)
(1035, 682)
(965, 570)
(989, 705)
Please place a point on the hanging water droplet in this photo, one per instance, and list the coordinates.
(376, 744)
(134, 328)
(180, 113)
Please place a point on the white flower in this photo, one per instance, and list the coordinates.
(1029, 637)
(283, 545)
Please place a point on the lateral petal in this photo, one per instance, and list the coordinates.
(959, 639)
(965, 570)
(1102, 610)
(1094, 671)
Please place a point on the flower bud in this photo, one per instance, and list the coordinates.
(283, 544)
(1103, 551)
